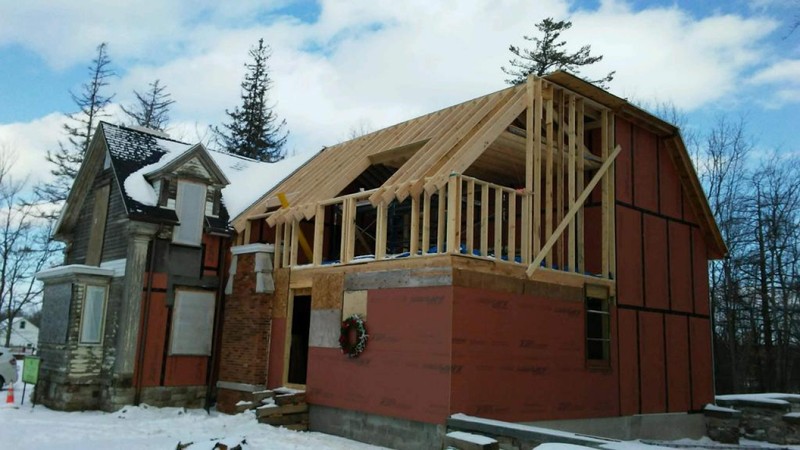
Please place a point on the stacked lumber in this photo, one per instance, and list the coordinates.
(285, 409)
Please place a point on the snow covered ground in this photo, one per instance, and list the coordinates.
(27, 427)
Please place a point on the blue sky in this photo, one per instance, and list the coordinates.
(367, 64)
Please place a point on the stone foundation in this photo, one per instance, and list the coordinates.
(773, 418)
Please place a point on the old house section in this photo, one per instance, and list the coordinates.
(132, 315)
(538, 253)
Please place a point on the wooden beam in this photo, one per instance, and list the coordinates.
(498, 223)
(380, 231)
(512, 226)
(413, 247)
(287, 244)
(295, 234)
(441, 220)
(484, 219)
(612, 229)
(426, 223)
(453, 216)
(319, 234)
(605, 219)
(581, 181)
(578, 204)
(571, 182)
(548, 189)
(279, 246)
(537, 166)
(470, 216)
(300, 236)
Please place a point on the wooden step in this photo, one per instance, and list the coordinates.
(290, 399)
(260, 396)
(244, 406)
(271, 410)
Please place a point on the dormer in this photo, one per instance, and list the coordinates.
(191, 185)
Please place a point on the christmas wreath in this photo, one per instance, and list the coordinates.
(353, 336)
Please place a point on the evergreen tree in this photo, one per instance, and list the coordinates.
(254, 130)
(90, 101)
(550, 55)
(151, 109)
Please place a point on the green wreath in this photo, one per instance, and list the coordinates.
(353, 336)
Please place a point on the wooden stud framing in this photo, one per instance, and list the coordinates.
(295, 243)
(537, 166)
(602, 171)
(484, 219)
(605, 219)
(279, 246)
(319, 234)
(498, 223)
(470, 216)
(548, 190)
(441, 220)
(287, 243)
(512, 226)
(453, 216)
(426, 222)
(571, 183)
(559, 186)
(413, 246)
(581, 181)
(380, 231)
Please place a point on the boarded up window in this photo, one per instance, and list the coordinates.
(191, 213)
(192, 323)
(94, 305)
(99, 214)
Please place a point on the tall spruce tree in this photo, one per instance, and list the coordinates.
(254, 130)
(91, 101)
(151, 109)
(549, 54)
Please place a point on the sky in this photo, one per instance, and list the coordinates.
(345, 65)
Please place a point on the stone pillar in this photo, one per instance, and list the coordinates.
(139, 236)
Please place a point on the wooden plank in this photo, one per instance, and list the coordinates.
(279, 246)
(548, 188)
(512, 226)
(287, 243)
(578, 204)
(350, 244)
(581, 244)
(571, 182)
(484, 219)
(612, 229)
(247, 231)
(470, 216)
(441, 220)
(453, 219)
(498, 224)
(560, 166)
(604, 206)
(537, 166)
(319, 234)
(413, 247)
(295, 242)
(300, 236)
(380, 231)
(461, 157)
(426, 223)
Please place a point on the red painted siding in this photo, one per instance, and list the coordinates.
(678, 382)
(629, 256)
(185, 370)
(651, 355)
(277, 352)
(655, 262)
(623, 167)
(702, 385)
(405, 371)
(645, 170)
(154, 344)
(700, 266)
(521, 358)
(670, 188)
(628, 362)
(680, 267)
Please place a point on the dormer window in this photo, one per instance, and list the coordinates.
(167, 192)
(190, 208)
(213, 198)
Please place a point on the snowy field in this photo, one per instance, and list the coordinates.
(23, 426)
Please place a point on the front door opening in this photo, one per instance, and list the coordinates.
(298, 350)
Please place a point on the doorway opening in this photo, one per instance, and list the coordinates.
(298, 340)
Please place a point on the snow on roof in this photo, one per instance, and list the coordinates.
(249, 179)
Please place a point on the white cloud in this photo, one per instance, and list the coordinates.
(377, 61)
(28, 144)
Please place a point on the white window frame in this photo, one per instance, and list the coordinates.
(200, 345)
(101, 325)
(201, 207)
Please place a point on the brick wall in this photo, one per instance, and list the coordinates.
(244, 350)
